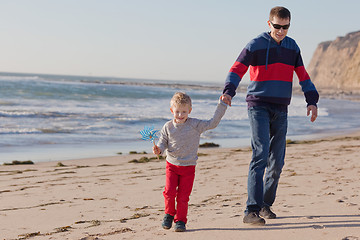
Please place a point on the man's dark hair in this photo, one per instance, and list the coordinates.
(280, 12)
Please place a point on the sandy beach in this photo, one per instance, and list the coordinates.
(113, 198)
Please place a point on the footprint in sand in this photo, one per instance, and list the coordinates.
(90, 238)
(350, 238)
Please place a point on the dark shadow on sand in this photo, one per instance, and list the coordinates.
(304, 222)
(321, 216)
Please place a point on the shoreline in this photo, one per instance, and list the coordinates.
(55, 153)
(112, 198)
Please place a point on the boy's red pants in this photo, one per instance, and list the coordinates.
(178, 185)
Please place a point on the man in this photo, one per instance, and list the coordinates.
(272, 58)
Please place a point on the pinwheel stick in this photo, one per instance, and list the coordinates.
(156, 154)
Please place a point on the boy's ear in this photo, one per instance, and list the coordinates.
(171, 110)
(190, 110)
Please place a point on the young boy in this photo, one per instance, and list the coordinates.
(180, 138)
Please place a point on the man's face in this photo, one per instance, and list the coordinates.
(278, 34)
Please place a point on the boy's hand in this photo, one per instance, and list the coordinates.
(226, 98)
(156, 150)
(314, 112)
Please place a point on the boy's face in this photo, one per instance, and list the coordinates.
(278, 34)
(180, 112)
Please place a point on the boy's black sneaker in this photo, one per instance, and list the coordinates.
(254, 219)
(180, 226)
(167, 222)
(266, 212)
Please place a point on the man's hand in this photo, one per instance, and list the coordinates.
(314, 112)
(226, 98)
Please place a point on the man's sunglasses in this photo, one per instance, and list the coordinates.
(277, 26)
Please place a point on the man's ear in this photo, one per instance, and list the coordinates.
(171, 111)
(190, 110)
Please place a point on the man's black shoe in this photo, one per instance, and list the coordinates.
(266, 212)
(254, 219)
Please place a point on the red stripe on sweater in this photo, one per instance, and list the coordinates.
(302, 74)
(239, 68)
(274, 72)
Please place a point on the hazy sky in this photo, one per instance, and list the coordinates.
(196, 40)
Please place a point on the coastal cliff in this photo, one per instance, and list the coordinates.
(335, 65)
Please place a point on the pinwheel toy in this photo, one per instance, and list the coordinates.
(149, 134)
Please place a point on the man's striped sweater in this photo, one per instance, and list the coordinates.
(271, 72)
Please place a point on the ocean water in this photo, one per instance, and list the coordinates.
(50, 117)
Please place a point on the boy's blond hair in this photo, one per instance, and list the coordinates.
(180, 99)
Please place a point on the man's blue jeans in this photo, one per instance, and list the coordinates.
(268, 141)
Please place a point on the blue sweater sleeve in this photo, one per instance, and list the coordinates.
(237, 71)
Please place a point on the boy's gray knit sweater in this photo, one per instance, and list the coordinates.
(181, 141)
